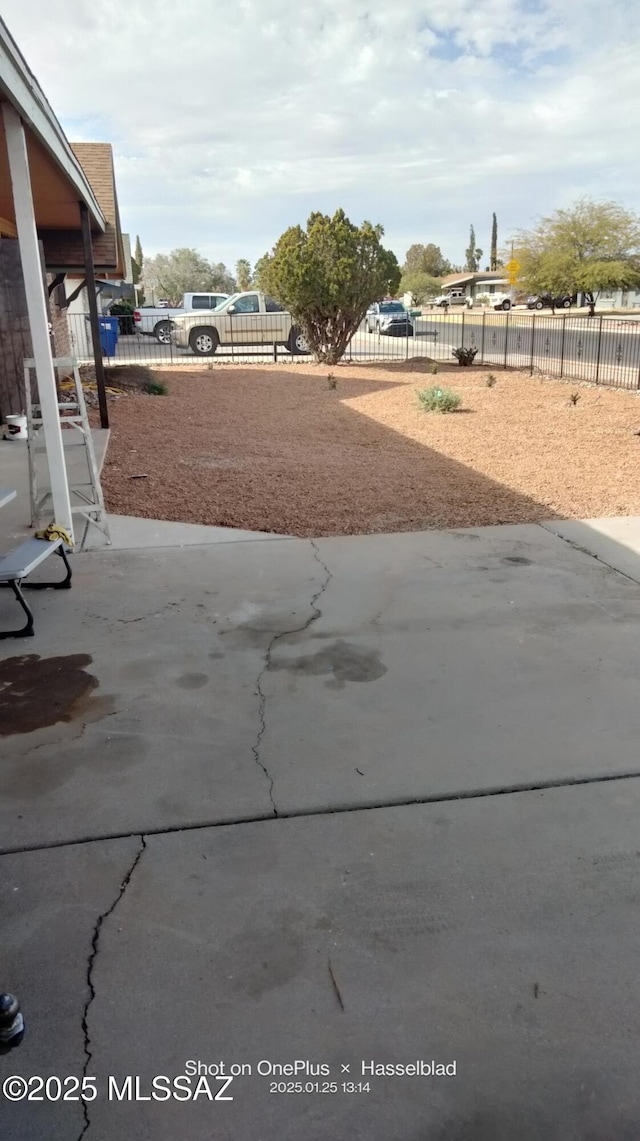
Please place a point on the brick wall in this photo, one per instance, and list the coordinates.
(59, 322)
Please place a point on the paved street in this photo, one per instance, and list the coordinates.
(358, 800)
(576, 346)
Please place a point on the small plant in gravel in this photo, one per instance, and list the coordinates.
(434, 369)
(156, 388)
(574, 398)
(490, 380)
(332, 382)
(437, 399)
(465, 356)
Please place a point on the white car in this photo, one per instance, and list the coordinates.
(156, 320)
(454, 297)
(244, 319)
(388, 317)
(500, 301)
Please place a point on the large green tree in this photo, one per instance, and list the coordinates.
(184, 270)
(586, 248)
(327, 276)
(426, 259)
(243, 274)
(258, 270)
(137, 261)
(421, 286)
(493, 261)
(473, 253)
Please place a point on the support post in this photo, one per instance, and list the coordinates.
(37, 310)
(93, 314)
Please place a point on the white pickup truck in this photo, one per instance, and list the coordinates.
(156, 322)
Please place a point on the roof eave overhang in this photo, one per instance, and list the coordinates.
(20, 87)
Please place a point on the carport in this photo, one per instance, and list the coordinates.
(44, 192)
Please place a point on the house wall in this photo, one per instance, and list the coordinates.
(618, 299)
(78, 314)
(59, 323)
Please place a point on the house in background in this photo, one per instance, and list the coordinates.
(52, 227)
(476, 284)
(111, 252)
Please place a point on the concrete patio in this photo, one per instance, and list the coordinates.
(342, 801)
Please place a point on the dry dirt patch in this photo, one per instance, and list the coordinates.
(276, 449)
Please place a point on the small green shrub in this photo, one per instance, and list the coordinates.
(465, 356)
(437, 399)
(331, 381)
(433, 369)
(123, 310)
(490, 380)
(156, 388)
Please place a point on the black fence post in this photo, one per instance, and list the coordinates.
(484, 321)
(598, 353)
(533, 336)
(462, 331)
(506, 338)
(564, 330)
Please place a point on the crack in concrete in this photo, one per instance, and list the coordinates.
(155, 614)
(262, 707)
(335, 810)
(93, 954)
(585, 551)
(64, 740)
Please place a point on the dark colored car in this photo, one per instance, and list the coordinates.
(546, 301)
(389, 317)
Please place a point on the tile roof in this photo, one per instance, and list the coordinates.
(63, 248)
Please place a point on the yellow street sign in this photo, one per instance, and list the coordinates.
(513, 268)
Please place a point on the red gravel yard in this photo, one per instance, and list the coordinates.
(277, 449)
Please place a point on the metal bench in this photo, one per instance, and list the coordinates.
(18, 564)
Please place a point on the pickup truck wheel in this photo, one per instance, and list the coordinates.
(506, 305)
(204, 342)
(539, 305)
(297, 344)
(162, 332)
(566, 304)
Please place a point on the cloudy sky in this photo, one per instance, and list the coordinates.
(233, 119)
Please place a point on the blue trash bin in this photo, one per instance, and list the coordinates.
(108, 335)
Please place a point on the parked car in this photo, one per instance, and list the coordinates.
(388, 318)
(154, 320)
(500, 301)
(453, 297)
(547, 301)
(249, 318)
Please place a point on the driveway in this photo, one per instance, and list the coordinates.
(344, 802)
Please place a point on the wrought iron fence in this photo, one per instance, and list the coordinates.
(600, 350)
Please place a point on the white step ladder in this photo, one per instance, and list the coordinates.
(86, 497)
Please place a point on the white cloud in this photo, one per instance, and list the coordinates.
(232, 120)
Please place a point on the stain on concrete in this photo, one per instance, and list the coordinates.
(517, 560)
(216, 655)
(192, 680)
(141, 669)
(38, 692)
(340, 663)
(259, 960)
(38, 774)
